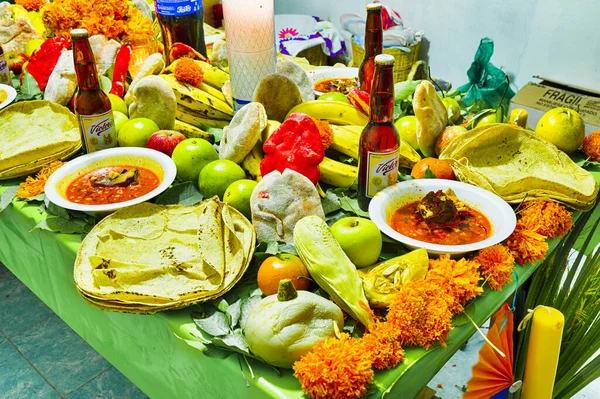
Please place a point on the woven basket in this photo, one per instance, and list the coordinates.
(404, 60)
(314, 55)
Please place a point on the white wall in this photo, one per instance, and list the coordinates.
(557, 39)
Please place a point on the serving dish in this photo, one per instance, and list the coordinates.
(500, 215)
(11, 94)
(320, 74)
(157, 162)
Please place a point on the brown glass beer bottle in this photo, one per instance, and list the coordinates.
(92, 105)
(379, 146)
(373, 46)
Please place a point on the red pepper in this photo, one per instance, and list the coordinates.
(180, 50)
(295, 145)
(120, 72)
(44, 59)
(360, 99)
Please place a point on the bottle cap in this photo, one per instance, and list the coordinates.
(79, 33)
(374, 6)
(384, 59)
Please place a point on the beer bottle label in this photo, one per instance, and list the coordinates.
(98, 131)
(382, 171)
(177, 8)
(4, 72)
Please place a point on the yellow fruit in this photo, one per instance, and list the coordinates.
(407, 128)
(563, 127)
(118, 104)
(519, 117)
(453, 108)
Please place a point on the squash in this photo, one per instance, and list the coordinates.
(285, 326)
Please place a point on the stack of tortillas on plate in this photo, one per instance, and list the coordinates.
(147, 258)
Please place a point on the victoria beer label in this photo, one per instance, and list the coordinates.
(379, 147)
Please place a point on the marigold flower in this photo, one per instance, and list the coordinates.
(591, 146)
(552, 218)
(459, 279)
(31, 5)
(525, 243)
(186, 70)
(381, 343)
(496, 263)
(420, 315)
(326, 132)
(335, 369)
(33, 186)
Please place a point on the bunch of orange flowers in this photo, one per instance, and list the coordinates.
(115, 19)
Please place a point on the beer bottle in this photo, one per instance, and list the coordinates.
(373, 46)
(379, 147)
(181, 21)
(4, 71)
(92, 106)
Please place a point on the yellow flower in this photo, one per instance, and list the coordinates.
(496, 263)
(591, 146)
(552, 218)
(33, 186)
(382, 345)
(31, 5)
(525, 244)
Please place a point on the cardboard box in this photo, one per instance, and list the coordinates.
(537, 98)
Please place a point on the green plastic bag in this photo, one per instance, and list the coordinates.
(487, 83)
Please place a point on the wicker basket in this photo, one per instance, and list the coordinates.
(404, 60)
(314, 55)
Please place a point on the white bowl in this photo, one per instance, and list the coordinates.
(329, 73)
(498, 212)
(11, 94)
(157, 162)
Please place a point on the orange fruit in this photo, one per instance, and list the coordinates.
(440, 168)
(276, 268)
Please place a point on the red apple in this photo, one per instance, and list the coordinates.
(165, 141)
(15, 61)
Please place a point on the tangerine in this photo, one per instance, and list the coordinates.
(279, 267)
(440, 168)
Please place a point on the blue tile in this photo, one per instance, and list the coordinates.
(60, 355)
(108, 385)
(19, 307)
(18, 379)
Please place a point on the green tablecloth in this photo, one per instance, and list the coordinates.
(146, 349)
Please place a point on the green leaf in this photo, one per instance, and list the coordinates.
(60, 225)
(429, 174)
(55, 210)
(213, 322)
(234, 312)
(405, 89)
(216, 132)
(234, 341)
(247, 305)
(181, 194)
(330, 203)
(7, 197)
(40, 197)
(216, 352)
(348, 160)
(105, 84)
(29, 89)
(351, 205)
(221, 304)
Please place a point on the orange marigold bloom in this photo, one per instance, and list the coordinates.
(420, 315)
(187, 71)
(459, 279)
(525, 243)
(496, 263)
(33, 186)
(380, 342)
(591, 146)
(552, 218)
(31, 5)
(335, 369)
(326, 132)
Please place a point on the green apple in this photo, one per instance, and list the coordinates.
(238, 195)
(118, 104)
(32, 45)
(563, 127)
(191, 155)
(407, 129)
(136, 132)
(120, 120)
(360, 239)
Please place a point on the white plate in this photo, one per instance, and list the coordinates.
(330, 73)
(58, 182)
(11, 94)
(499, 213)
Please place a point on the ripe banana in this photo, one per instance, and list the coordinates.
(198, 100)
(191, 131)
(195, 119)
(338, 174)
(212, 75)
(251, 162)
(335, 112)
(268, 131)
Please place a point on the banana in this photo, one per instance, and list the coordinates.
(335, 112)
(198, 100)
(268, 131)
(193, 118)
(212, 75)
(338, 174)
(191, 131)
(251, 162)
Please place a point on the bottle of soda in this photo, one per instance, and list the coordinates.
(181, 21)
(373, 46)
(4, 71)
(379, 146)
(92, 106)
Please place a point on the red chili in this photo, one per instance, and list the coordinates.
(180, 50)
(295, 145)
(360, 99)
(120, 72)
(44, 59)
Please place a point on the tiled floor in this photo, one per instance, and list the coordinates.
(41, 357)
